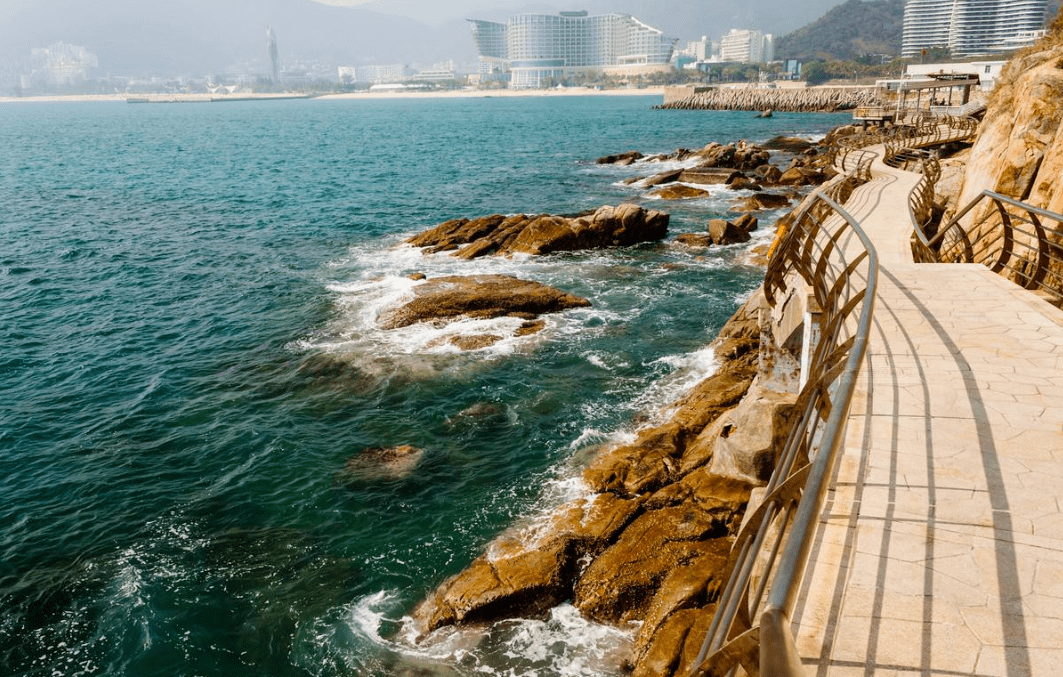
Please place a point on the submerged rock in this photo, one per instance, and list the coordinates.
(479, 296)
(383, 463)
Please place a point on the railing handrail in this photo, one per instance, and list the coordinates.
(797, 489)
(1040, 268)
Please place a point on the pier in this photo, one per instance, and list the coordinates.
(936, 544)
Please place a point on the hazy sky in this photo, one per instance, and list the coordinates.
(196, 36)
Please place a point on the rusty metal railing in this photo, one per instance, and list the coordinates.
(751, 627)
(1014, 239)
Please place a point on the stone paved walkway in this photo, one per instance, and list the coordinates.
(940, 550)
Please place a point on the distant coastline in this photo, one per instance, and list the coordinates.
(411, 94)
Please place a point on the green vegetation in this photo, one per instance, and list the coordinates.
(847, 32)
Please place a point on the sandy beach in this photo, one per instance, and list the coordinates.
(378, 95)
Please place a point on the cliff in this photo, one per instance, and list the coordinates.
(1019, 148)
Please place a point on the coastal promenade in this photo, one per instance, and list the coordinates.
(940, 547)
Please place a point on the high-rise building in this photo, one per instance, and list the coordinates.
(747, 46)
(971, 27)
(271, 47)
(539, 47)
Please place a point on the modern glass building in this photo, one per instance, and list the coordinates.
(970, 27)
(541, 47)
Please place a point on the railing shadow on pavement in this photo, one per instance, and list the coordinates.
(752, 627)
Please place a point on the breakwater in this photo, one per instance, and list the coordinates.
(804, 100)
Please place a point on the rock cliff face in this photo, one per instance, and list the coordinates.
(1019, 149)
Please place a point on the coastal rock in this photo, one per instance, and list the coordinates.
(694, 239)
(608, 226)
(724, 232)
(479, 296)
(692, 586)
(382, 463)
(768, 174)
(746, 222)
(759, 201)
(742, 182)
(739, 155)
(621, 583)
(709, 175)
(790, 144)
(662, 178)
(801, 176)
(678, 192)
(620, 158)
(526, 571)
(645, 465)
(668, 652)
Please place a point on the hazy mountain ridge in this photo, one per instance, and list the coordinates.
(847, 31)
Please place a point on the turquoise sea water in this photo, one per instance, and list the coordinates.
(187, 303)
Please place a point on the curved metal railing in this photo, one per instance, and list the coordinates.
(1017, 240)
(751, 627)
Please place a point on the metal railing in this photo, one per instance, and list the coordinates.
(751, 627)
(1014, 239)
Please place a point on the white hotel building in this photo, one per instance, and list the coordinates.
(747, 46)
(539, 47)
(971, 27)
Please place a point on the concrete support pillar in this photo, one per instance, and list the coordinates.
(813, 329)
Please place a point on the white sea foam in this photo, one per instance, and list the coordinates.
(563, 644)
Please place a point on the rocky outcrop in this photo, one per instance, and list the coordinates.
(478, 296)
(621, 226)
(652, 542)
(760, 201)
(724, 232)
(1019, 148)
(620, 158)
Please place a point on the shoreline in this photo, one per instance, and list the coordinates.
(386, 95)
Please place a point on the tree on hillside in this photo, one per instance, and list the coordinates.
(816, 73)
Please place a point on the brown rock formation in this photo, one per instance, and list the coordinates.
(1019, 148)
(479, 296)
(528, 570)
(759, 201)
(709, 175)
(679, 192)
(620, 158)
(790, 144)
(662, 178)
(724, 232)
(620, 226)
(694, 239)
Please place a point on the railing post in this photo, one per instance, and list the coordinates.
(813, 328)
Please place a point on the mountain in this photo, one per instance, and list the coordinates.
(847, 31)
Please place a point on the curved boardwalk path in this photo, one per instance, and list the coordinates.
(940, 549)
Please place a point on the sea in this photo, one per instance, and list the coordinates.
(191, 358)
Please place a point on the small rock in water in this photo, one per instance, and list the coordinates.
(383, 463)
